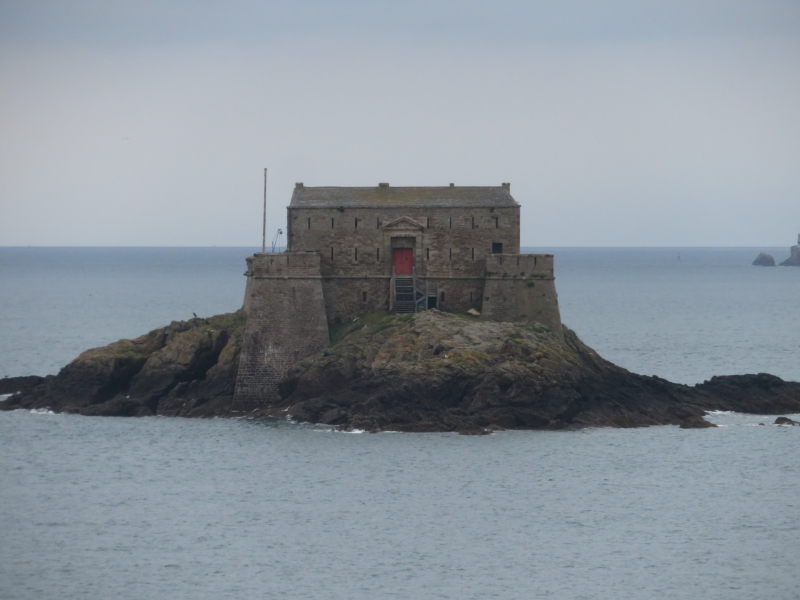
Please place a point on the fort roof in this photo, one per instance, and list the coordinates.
(384, 195)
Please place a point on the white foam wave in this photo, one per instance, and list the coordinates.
(41, 411)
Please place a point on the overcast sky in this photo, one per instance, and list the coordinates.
(618, 123)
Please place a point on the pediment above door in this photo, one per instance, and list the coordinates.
(403, 224)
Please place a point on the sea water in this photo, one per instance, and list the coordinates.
(227, 508)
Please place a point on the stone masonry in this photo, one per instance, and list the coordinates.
(350, 250)
(286, 322)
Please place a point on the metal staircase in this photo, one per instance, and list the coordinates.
(412, 294)
(404, 295)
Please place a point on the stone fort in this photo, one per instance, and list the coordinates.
(352, 250)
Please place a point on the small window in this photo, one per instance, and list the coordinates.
(497, 248)
(473, 222)
(355, 254)
(377, 223)
(333, 222)
(473, 253)
(363, 296)
(355, 223)
(427, 222)
(308, 223)
(377, 255)
(496, 222)
(331, 252)
(441, 296)
(451, 254)
(450, 222)
(427, 253)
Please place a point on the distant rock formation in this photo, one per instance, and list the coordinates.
(785, 421)
(430, 371)
(764, 260)
(794, 257)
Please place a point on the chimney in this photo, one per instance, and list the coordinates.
(452, 185)
(298, 185)
(383, 186)
(506, 186)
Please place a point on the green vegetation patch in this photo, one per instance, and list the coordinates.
(371, 322)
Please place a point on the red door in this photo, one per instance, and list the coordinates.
(403, 261)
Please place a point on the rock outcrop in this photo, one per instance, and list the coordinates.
(431, 371)
(187, 368)
(12, 385)
(764, 260)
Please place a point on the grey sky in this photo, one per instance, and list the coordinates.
(618, 123)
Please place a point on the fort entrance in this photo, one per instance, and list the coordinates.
(402, 261)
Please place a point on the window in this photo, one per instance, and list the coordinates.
(497, 247)
(473, 222)
(377, 255)
(332, 222)
(363, 296)
(473, 253)
(496, 222)
(450, 222)
(451, 254)
(331, 253)
(441, 296)
(427, 253)
(308, 223)
(355, 254)
(355, 223)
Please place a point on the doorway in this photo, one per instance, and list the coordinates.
(403, 261)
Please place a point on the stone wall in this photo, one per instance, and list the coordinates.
(285, 311)
(521, 288)
(348, 297)
(448, 241)
(355, 246)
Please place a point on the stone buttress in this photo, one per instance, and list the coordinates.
(286, 322)
(521, 288)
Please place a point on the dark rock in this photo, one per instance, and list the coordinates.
(785, 421)
(428, 372)
(764, 260)
(758, 394)
(185, 369)
(499, 375)
(12, 385)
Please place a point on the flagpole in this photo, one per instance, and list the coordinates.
(264, 220)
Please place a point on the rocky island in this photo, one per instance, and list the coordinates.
(764, 260)
(439, 323)
(430, 371)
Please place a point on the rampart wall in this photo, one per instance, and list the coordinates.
(521, 288)
(286, 322)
